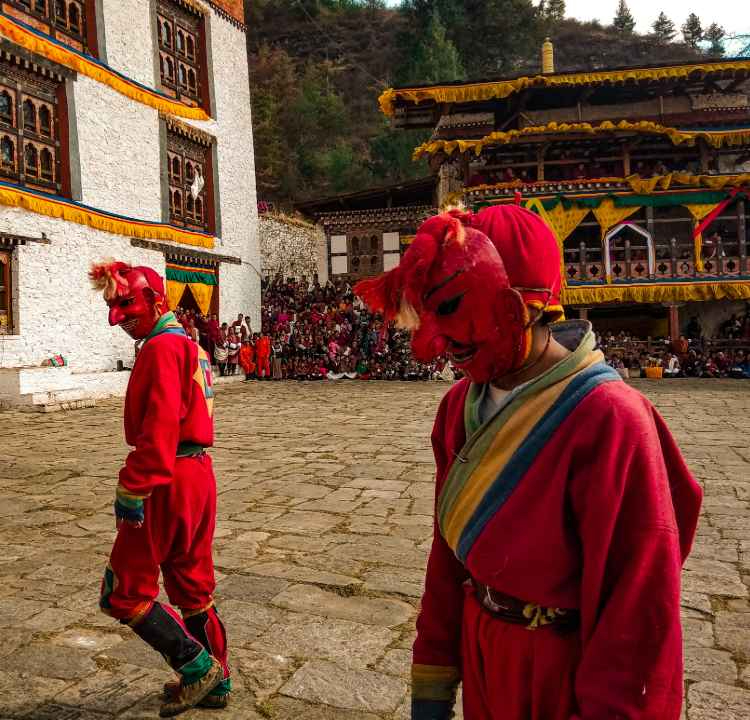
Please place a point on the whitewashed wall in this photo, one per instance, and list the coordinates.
(120, 168)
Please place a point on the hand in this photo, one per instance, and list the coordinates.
(119, 522)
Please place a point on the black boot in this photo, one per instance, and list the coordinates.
(199, 672)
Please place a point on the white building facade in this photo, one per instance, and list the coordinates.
(125, 132)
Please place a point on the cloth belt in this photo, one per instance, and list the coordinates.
(515, 611)
(189, 449)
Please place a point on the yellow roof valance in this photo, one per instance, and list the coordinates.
(642, 186)
(717, 139)
(497, 90)
(692, 291)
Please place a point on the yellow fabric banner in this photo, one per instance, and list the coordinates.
(699, 211)
(174, 293)
(47, 47)
(564, 222)
(202, 294)
(717, 139)
(481, 91)
(607, 215)
(657, 293)
(97, 219)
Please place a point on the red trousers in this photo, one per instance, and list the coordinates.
(264, 366)
(176, 537)
(511, 673)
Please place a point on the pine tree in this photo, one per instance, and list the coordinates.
(664, 29)
(715, 34)
(692, 31)
(555, 10)
(624, 21)
(436, 58)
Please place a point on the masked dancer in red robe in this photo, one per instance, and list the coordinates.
(165, 503)
(564, 510)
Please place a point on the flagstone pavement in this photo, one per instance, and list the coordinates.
(324, 525)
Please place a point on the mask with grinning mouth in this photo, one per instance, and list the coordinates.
(452, 291)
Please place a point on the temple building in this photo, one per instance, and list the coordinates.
(367, 231)
(642, 173)
(125, 132)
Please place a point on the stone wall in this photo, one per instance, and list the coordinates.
(119, 156)
(293, 247)
(711, 315)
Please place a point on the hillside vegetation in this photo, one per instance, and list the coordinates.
(318, 67)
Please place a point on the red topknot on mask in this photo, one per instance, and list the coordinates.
(111, 277)
(529, 251)
(398, 292)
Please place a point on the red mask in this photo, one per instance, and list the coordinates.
(135, 296)
(452, 291)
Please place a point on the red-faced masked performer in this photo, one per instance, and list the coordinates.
(564, 510)
(165, 501)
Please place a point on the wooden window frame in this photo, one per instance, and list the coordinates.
(42, 92)
(361, 256)
(6, 285)
(174, 15)
(43, 15)
(190, 154)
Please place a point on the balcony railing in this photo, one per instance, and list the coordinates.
(673, 261)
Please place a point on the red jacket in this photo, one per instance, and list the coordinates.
(601, 522)
(169, 401)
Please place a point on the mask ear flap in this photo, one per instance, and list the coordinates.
(512, 312)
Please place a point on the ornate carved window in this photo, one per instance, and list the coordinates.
(182, 57)
(365, 253)
(191, 201)
(6, 301)
(71, 21)
(32, 147)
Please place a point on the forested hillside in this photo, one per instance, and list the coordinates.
(318, 66)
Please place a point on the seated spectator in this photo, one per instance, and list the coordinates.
(671, 366)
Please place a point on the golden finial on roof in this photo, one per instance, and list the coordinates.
(548, 57)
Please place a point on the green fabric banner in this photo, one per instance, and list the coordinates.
(703, 197)
(192, 276)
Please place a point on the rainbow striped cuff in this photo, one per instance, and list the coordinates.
(433, 691)
(128, 506)
(431, 710)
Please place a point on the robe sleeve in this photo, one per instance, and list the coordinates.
(152, 461)
(636, 506)
(437, 648)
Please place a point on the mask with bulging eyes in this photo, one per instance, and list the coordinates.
(451, 290)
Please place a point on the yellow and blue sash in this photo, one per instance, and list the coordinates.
(499, 453)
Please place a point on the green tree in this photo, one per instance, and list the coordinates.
(715, 34)
(664, 29)
(624, 21)
(554, 10)
(435, 57)
(692, 31)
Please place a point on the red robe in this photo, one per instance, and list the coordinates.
(602, 522)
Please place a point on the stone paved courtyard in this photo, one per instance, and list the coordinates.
(324, 524)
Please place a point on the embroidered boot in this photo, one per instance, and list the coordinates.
(162, 629)
(206, 627)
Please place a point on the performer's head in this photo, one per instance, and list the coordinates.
(135, 296)
(530, 252)
(452, 291)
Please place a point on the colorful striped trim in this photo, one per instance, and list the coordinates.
(534, 440)
(431, 710)
(434, 682)
(109, 583)
(197, 668)
(141, 610)
(186, 613)
(72, 211)
(499, 452)
(37, 42)
(167, 324)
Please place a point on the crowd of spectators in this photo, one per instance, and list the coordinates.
(726, 356)
(310, 331)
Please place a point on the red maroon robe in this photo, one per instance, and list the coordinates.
(602, 522)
